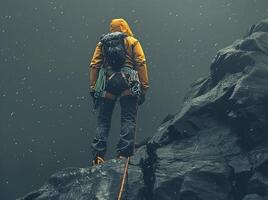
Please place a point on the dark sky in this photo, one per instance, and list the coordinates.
(46, 118)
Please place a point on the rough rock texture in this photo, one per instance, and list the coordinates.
(100, 182)
(215, 148)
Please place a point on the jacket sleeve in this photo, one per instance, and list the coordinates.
(141, 66)
(95, 65)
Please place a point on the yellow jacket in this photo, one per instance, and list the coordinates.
(134, 58)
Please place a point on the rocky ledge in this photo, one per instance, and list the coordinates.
(215, 148)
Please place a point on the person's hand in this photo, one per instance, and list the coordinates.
(141, 99)
(92, 94)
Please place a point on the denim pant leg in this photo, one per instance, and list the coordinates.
(99, 145)
(129, 108)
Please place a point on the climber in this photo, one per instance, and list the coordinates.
(117, 71)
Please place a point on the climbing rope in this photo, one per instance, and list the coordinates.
(101, 83)
(123, 181)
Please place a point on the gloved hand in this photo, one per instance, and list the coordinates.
(92, 94)
(141, 99)
(95, 100)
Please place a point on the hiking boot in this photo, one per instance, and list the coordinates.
(98, 160)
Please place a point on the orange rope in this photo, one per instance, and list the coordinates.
(123, 180)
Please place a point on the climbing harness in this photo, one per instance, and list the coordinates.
(129, 75)
(133, 80)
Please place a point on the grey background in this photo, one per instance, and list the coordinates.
(46, 118)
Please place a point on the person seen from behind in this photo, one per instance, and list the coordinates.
(118, 71)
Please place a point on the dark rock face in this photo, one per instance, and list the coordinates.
(100, 182)
(215, 148)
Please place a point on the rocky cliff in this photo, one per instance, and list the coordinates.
(215, 148)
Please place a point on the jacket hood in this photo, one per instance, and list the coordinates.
(120, 25)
